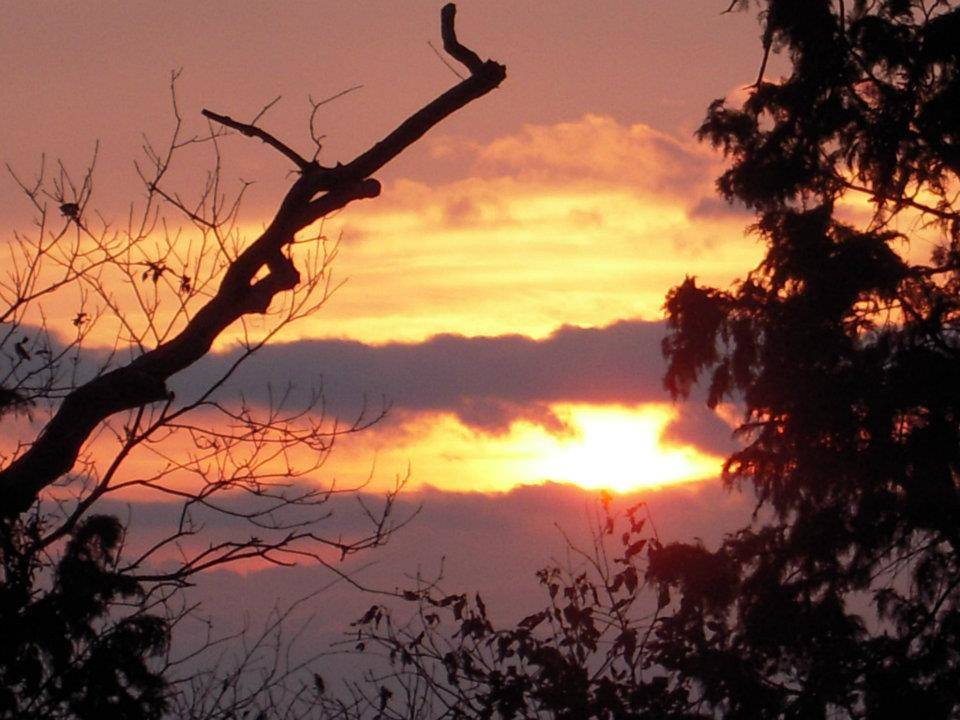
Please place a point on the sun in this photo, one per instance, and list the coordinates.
(623, 450)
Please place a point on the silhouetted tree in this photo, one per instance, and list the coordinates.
(842, 349)
(86, 605)
(842, 598)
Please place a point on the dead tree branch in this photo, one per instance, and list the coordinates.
(317, 192)
(254, 131)
(450, 43)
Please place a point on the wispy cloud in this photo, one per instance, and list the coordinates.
(599, 149)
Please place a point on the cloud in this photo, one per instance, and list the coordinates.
(716, 208)
(698, 425)
(488, 412)
(488, 383)
(577, 223)
(495, 416)
(594, 152)
(599, 149)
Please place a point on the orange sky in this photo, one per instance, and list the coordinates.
(573, 197)
(503, 295)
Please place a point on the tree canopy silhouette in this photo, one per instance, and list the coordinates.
(86, 604)
(841, 348)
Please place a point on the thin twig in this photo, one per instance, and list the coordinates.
(253, 131)
(334, 96)
(263, 110)
(315, 106)
(444, 60)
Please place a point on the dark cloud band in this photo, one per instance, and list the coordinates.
(487, 382)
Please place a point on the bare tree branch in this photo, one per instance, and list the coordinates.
(242, 290)
(254, 131)
(453, 47)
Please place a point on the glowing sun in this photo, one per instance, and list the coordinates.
(623, 450)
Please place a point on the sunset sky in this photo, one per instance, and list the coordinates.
(504, 294)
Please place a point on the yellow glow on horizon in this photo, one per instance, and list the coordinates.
(480, 256)
(615, 448)
(537, 257)
(623, 450)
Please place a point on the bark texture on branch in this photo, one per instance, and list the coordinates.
(317, 192)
